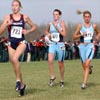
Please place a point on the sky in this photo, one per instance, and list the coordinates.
(40, 11)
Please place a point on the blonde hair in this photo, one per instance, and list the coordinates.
(84, 12)
(79, 12)
(18, 2)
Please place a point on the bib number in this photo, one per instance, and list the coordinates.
(55, 37)
(88, 36)
(16, 32)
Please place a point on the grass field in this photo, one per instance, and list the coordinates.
(36, 77)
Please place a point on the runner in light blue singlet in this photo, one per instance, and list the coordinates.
(85, 33)
(55, 31)
(57, 45)
(86, 46)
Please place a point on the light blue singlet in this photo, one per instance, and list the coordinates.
(86, 46)
(57, 46)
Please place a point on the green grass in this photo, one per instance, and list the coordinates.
(36, 77)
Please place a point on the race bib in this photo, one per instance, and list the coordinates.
(88, 36)
(16, 32)
(55, 37)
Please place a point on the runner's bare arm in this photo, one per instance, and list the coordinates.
(76, 34)
(32, 25)
(47, 30)
(97, 31)
(63, 30)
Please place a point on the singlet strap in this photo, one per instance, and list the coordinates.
(91, 25)
(59, 22)
(22, 17)
(52, 23)
(11, 17)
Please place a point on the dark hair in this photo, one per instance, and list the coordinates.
(60, 13)
(84, 12)
(18, 2)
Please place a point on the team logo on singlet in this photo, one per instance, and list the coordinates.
(16, 32)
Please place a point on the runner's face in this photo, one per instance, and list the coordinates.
(87, 18)
(56, 15)
(15, 7)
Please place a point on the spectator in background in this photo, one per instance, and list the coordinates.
(76, 50)
(3, 49)
(28, 50)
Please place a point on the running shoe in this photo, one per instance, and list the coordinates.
(18, 85)
(51, 81)
(61, 84)
(83, 86)
(22, 91)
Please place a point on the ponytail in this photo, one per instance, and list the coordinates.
(84, 12)
(79, 12)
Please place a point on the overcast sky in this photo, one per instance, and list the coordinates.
(40, 11)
